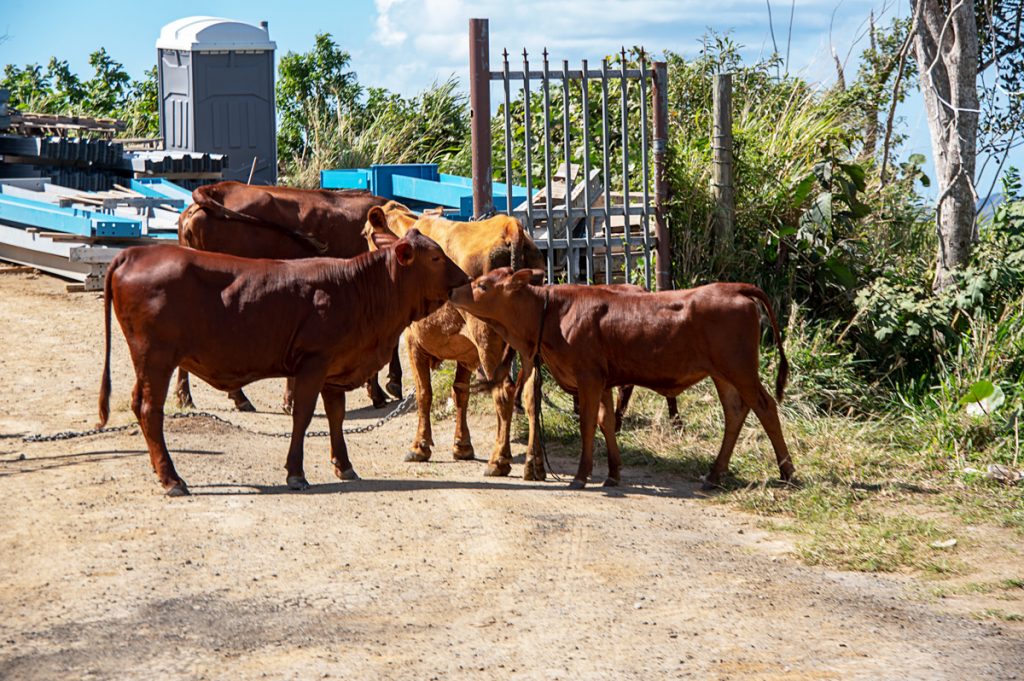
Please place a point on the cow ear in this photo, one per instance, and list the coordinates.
(537, 277)
(383, 239)
(403, 251)
(377, 219)
(519, 279)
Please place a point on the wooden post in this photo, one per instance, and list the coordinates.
(721, 177)
(663, 276)
(480, 116)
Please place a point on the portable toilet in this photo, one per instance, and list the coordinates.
(216, 92)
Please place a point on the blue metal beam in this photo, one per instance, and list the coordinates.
(159, 188)
(49, 217)
(345, 179)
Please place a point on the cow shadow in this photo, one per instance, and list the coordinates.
(36, 464)
(678, 490)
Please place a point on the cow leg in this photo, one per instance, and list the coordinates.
(763, 404)
(288, 400)
(308, 383)
(735, 410)
(376, 395)
(242, 402)
(462, 450)
(334, 405)
(606, 418)
(148, 400)
(420, 450)
(500, 463)
(625, 393)
(673, 409)
(183, 391)
(394, 384)
(590, 403)
(534, 468)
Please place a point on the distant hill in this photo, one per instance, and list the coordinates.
(987, 208)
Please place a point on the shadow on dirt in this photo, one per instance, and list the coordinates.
(37, 464)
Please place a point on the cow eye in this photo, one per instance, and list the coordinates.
(437, 258)
(482, 287)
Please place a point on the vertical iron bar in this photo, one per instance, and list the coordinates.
(570, 253)
(625, 167)
(588, 223)
(607, 174)
(508, 134)
(646, 223)
(661, 232)
(529, 144)
(480, 116)
(545, 78)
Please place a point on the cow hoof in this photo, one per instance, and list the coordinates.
(611, 482)
(178, 489)
(417, 456)
(577, 484)
(380, 402)
(245, 406)
(286, 408)
(709, 485)
(347, 474)
(186, 403)
(394, 389)
(297, 483)
(535, 472)
(498, 470)
(463, 452)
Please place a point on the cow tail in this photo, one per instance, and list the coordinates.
(782, 376)
(108, 294)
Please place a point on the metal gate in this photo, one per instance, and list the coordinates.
(592, 229)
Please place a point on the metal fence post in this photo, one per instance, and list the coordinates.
(480, 112)
(660, 145)
(721, 179)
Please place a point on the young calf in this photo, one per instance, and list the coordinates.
(593, 339)
(328, 322)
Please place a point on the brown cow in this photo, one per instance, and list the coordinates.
(448, 334)
(329, 323)
(593, 339)
(280, 223)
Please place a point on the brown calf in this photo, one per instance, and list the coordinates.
(451, 334)
(281, 223)
(327, 322)
(593, 339)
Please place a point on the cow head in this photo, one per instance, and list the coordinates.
(493, 291)
(422, 261)
(393, 218)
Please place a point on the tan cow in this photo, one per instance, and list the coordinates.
(449, 334)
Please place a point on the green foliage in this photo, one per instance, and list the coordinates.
(313, 89)
(109, 93)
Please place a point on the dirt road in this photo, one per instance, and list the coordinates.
(417, 571)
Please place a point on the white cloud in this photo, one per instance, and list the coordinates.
(387, 34)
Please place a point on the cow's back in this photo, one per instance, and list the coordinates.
(254, 222)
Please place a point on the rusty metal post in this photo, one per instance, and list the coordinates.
(660, 147)
(721, 165)
(480, 112)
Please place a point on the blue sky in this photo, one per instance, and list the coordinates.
(405, 45)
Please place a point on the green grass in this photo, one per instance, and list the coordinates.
(866, 500)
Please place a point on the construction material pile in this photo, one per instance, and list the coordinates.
(37, 146)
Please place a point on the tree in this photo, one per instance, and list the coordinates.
(948, 39)
(314, 83)
(106, 91)
(946, 49)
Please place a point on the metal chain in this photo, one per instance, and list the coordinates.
(399, 409)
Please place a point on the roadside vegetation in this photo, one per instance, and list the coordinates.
(904, 405)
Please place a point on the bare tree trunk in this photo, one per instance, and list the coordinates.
(946, 47)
